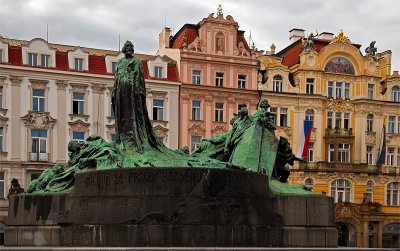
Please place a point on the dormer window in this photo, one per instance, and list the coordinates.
(45, 60)
(32, 59)
(113, 68)
(158, 72)
(78, 64)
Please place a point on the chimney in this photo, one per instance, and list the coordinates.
(326, 35)
(163, 38)
(295, 34)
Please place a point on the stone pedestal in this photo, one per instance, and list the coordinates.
(171, 207)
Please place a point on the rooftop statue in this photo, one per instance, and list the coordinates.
(308, 43)
(249, 145)
(371, 49)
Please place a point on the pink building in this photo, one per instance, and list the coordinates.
(218, 72)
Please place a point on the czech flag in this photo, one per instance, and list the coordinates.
(305, 138)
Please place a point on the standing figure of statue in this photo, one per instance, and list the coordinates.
(132, 123)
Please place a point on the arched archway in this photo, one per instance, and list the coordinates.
(346, 234)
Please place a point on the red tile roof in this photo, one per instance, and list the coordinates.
(241, 38)
(15, 55)
(172, 72)
(188, 30)
(62, 61)
(145, 69)
(97, 65)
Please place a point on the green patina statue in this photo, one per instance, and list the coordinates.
(249, 145)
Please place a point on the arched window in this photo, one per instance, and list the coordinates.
(393, 194)
(396, 93)
(341, 190)
(277, 83)
(310, 114)
(370, 122)
(309, 183)
(370, 191)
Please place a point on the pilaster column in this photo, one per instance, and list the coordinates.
(62, 137)
(98, 108)
(16, 118)
(366, 235)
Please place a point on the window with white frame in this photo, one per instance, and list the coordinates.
(398, 156)
(38, 145)
(341, 190)
(396, 93)
(196, 110)
(44, 60)
(390, 156)
(370, 155)
(391, 124)
(309, 183)
(371, 88)
(78, 136)
(78, 64)
(338, 119)
(219, 79)
(196, 77)
(38, 100)
(398, 124)
(78, 103)
(344, 153)
(158, 72)
(2, 185)
(274, 112)
(329, 119)
(338, 89)
(309, 115)
(195, 142)
(330, 89)
(1, 96)
(283, 114)
(219, 112)
(158, 109)
(310, 154)
(1, 139)
(113, 68)
(346, 120)
(331, 153)
(310, 85)
(242, 81)
(32, 59)
(369, 191)
(370, 122)
(347, 90)
(393, 194)
(277, 83)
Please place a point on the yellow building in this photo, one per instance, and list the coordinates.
(349, 96)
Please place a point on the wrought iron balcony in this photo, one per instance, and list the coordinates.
(335, 132)
(339, 166)
(40, 157)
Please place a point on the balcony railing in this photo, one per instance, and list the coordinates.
(339, 166)
(334, 132)
(40, 157)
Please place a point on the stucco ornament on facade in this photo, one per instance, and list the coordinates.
(39, 120)
(197, 129)
(370, 137)
(3, 121)
(16, 80)
(79, 125)
(38, 83)
(98, 88)
(339, 105)
(61, 84)
(197, 45)
(219, 129)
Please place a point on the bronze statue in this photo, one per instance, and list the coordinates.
(308, 43)
(132, 122)
(371, 49)
(15, 188)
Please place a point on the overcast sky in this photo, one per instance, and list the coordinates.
(97, 23)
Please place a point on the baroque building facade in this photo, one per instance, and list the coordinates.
(51, 94)
(350, 97)
(218, 72)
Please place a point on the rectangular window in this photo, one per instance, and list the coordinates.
(398, 124)
(329, 119)
(219, 112)
(78, 136)
(338, 89)
(158, 72)
(32, 59)
(310, 156)
(1, 139)
(347, 90)
(196, 77)
(195, 142)
(242, 81)
(219, 79)
(338, 120)
(283, 117)
(45, 60)
(398, 156)
(370, 122)
(274, 112)
(38, 100)
(370, 154)
(330, 89)
(1, 97)
(79, 64)
(346, 120)
(158, 109)
(78, 103)
(344, 153)
(38, 145)
(331, 153)
(196, 110)
(310, 86)
(390, 156)
(113, 67)
(391, 124)
(371, 91)
(2, 184)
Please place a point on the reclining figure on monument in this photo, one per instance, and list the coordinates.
(249, 145)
